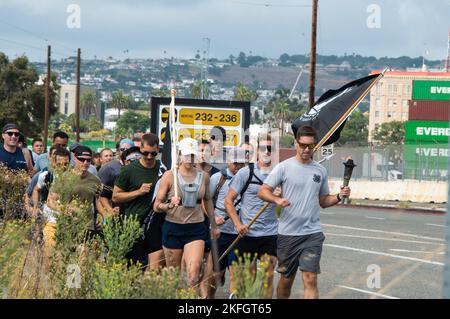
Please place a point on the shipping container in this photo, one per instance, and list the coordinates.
(431, 90)
(424, 110)
(427, 131)
(425, 161)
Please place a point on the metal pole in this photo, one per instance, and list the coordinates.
(47, 97)
(77, 97)
(446, 288)
(312, 58)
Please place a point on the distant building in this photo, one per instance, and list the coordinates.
(390, 96)
(67, 99)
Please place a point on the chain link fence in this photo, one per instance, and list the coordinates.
(391, 163)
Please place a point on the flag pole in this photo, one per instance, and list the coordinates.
(252, 221)
(173, 137)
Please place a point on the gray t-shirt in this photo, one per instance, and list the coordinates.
(302, 185)
(219, 210)
(108, 174)
(41, 162)
(266, 224)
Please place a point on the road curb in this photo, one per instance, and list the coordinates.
(396, 208)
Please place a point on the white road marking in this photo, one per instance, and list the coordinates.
(413, 251)
(326, 213)
(435, 225)
(383, 238)
(368, 292)
(378, 218)
(385, 254)
(383, 232)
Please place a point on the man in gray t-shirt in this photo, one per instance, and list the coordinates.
(261, 238)
(304, 190)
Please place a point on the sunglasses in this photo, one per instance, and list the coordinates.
(153, 154)
(83, 160)
(265, 148)
(17, 134)
(309, 146)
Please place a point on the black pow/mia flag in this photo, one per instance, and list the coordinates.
(330, 112)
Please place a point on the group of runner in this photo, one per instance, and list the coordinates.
(190, 215)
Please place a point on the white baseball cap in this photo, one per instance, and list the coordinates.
(188, 146)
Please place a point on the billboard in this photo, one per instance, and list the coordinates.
(195, 118)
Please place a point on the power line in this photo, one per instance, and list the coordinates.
(271, 4)
(30, 46)
(38, 36)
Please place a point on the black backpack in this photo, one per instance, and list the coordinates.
(258, 181)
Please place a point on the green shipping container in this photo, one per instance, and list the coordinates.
(427, 132)
(431, 90)
(425, 161)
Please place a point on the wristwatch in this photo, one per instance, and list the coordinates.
(338, 197)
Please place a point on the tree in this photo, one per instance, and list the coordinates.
(163, 92)
(22, 99)
(196, 90)
(120, 101)
(355, 130)
(280, 111)
(243, 93)
(133, 122)
(390, 133)
(88, 105)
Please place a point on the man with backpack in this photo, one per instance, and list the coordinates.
(261, 239)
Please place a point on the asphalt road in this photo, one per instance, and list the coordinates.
(406, 249)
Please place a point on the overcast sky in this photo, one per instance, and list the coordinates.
(147, 28)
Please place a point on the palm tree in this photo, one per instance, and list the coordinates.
(280, 111)
(88, 105)
(243, 93)
(119, 101)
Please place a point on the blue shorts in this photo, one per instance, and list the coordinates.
(175, 236)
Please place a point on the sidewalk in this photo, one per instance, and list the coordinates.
(405, 206)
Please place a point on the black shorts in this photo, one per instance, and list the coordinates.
(208, 231)
(150, 239)
(176, 236)
(153, 233)
(302, 252)
(257, 246)
(224, 241)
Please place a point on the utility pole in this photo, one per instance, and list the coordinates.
(77, 97)
(312, 58)
(47, 96)
(204, 70)
(447, 63)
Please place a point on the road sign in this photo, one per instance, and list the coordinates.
(327, 150)
(195, 118)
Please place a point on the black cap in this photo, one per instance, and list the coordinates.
(9, 126)
(82, 150)
(73, 146)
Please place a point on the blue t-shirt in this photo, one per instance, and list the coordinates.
(13, 161)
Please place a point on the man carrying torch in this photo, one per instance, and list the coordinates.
(305, 190)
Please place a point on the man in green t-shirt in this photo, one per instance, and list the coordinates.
(135, 186)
